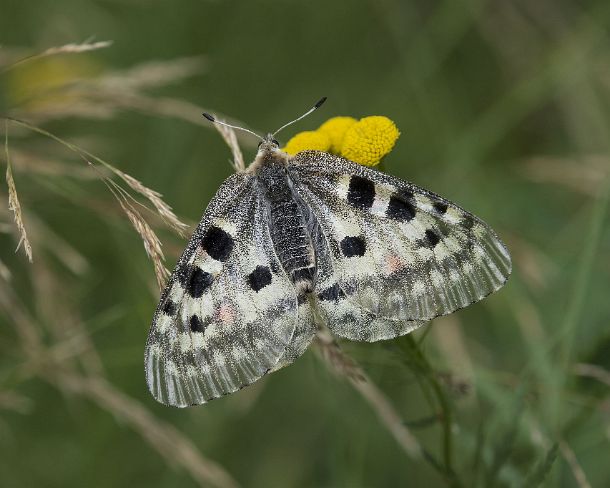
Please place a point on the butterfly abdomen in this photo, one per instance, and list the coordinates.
(288, 225)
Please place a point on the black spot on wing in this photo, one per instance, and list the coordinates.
(400, 209)
(199, 281)
(353, 246)
(196, 324)
(169, 308)
(331, 294)
(361, 192)
(467, 222)
(259, 278)
(217, 243)
(440, 207)
(432, 238)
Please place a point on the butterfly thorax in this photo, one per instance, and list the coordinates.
(290, 220)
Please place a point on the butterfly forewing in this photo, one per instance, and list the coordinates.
(229, 311)
(399, 252)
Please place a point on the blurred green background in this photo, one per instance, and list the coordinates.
(503, 108)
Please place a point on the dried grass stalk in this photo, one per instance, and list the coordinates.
(151, 74)
(152, 244)
(170, 443)
(163, 209)
(13, 203)
(76, 48)
(389, 417)
(5, 273)
(577, 471)
(228, 134)
(586, 175)
(164, 438)
(593, 371)
(71, 48)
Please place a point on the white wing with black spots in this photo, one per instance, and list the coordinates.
(342, 313)
(229, 311)
(399, 252)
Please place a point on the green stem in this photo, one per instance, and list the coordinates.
(446, 417)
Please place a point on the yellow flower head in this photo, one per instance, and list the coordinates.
(335, 129)
(308, 140)
(369, 140)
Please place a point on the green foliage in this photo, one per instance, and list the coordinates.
(503, 108)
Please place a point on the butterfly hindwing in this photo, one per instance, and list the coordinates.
(229, 310)
(399, 252)
(341, 313)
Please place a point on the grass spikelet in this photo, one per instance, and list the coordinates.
(228, 134)
(71, 48)
(13, 203)
(163, 209)
(152, 244)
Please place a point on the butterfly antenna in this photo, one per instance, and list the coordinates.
(213, 120)
(315, 107)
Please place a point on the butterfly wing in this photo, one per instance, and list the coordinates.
(229, 310)
(399, 252)
(340, 312)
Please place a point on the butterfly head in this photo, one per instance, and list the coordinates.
(268, 143)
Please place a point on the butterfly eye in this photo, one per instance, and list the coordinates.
(259, 144)
(276, 143)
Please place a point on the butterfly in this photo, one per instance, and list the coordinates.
(293, 242)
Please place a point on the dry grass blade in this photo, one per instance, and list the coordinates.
(71, 48)
(13, 203)
(228, 134)
(5, 273)
(593, 371)
(76, 48)
(163, 209)
(389, 417)
(152, 245)
(164, 438)
(577, 471)
(26, 161)
(171, 444)
(586, 175)
(152, 74)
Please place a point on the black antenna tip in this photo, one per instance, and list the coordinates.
(209, 117)
(320, 102)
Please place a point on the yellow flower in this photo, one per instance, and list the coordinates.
(308, 140)
(369, 140)
(335, 129)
